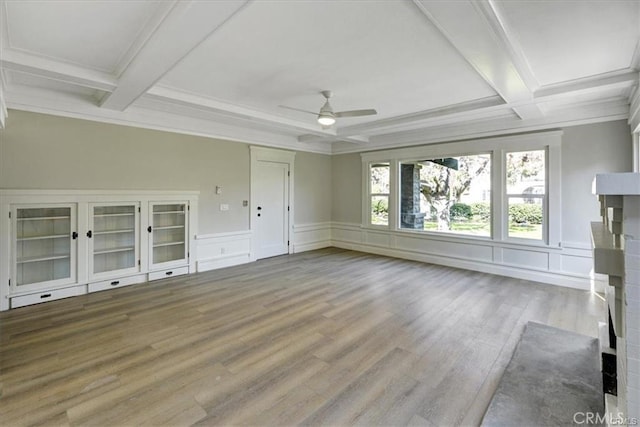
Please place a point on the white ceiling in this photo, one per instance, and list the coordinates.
(433, 70)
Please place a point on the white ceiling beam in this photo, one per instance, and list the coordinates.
(184, 27)
(23, 62)
(316, 138)
(424, 117)
(490, 107)
(67, 105)
(479, 32)
(223, 109)
(618, 79)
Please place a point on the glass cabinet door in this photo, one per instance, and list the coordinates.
(113, 242)
(168, 240)
(44, 240)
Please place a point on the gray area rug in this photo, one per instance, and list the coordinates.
(552, 375)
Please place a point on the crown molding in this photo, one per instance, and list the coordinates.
(85, 108)
(573, 115)
(16, 60)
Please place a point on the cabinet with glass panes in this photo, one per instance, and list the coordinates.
(62, 243)
(168, 234)
(44, 246)
(113, 239)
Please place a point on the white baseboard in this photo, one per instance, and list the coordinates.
(501, 270)
(228, 260)
(528, 262)
(223, 250)
(568, 266)
(312, 246)
(309, 237)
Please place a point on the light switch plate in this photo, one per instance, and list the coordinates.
(224, 207)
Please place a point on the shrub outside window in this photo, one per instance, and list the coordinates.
(379, 193)
(451, 194)
(526, 194)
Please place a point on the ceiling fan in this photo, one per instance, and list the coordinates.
(327, 117)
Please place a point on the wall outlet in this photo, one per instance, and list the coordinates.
(224, 207)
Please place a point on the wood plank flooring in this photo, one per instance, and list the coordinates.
(328, 337)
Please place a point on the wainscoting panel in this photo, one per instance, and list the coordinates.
(568, 266)
(223, 250)
(307, 237)
(424, 244)
(526, 258)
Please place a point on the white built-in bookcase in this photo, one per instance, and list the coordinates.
(55, 243)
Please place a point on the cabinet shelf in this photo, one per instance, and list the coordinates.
(169, 227)
(114, 250)
(53, 236)
(43, 218)
(127, 230)
(26, 260)
(159, 245)
(169, 212)
(113, 214)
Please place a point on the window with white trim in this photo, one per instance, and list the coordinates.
(379, 174)
(514, 197)
(526, 194)
(448, 194)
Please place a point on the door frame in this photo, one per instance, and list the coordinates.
(261, 154)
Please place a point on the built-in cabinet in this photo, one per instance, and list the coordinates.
(43, 242)
(113, 239)
(57, 244)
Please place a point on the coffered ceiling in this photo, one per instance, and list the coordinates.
(433, 70)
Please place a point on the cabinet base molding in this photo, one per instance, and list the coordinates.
(116, 283)
(165, 274)
(44, 296)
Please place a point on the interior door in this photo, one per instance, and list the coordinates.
(271, 209)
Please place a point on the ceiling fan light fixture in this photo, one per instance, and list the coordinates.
(326, 119)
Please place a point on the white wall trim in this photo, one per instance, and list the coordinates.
(219, 250)
(308, 237)
(557, 265)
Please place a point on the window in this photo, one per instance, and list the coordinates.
(503, 189)
(450, 194)
(526, 194)
(379, 193)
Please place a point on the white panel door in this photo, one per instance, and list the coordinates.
(271, 209)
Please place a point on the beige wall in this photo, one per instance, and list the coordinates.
(586, 150)
(312, 188)
(39, 151)
(48, 152)
(347, 188)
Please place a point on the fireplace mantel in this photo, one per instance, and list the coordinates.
(616, 242)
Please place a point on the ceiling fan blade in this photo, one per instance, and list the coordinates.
(298, 109)
(356, 113)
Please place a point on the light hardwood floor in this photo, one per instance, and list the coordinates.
(328, 337)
